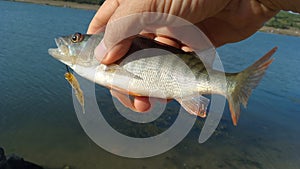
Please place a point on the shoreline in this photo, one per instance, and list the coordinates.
(65, 4)
(289, 32)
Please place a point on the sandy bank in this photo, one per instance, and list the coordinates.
(61, 4)
(291, 32)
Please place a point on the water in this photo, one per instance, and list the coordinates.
(38, 122)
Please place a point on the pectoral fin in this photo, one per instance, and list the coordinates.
(120, 71)
(195, 105)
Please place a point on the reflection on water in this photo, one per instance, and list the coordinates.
(38, 122)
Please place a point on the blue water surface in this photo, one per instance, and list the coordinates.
(38, 121)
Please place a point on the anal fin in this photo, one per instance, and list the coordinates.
(195, 105)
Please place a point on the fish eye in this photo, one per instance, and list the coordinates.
(77, 37)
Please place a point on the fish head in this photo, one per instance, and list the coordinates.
(76, 49)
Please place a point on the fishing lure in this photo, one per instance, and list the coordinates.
(76, 87)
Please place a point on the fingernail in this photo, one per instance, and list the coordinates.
(100, 51)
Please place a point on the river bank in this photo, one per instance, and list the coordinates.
(291, 32)
(64, 4)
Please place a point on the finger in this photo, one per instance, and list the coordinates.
(173, 42)
(124, 99)
(127, 21)
(117, 37)
(142, 104)
(102, 16)
(148, 35)
(117, 52)
(168, 41)
(100, 51)
(186, 48)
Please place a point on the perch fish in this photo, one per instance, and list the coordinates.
(168, 73)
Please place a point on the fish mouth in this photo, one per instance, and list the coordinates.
(62, 50)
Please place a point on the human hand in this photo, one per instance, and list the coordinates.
(223, 21)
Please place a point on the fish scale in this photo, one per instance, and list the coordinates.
(153, 69)
(164, 79)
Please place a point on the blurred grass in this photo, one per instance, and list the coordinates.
(285, 20)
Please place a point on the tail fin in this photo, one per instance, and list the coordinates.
(245, 82)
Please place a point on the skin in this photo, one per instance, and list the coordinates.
(223, 21)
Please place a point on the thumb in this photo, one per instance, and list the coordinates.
(117, 38)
